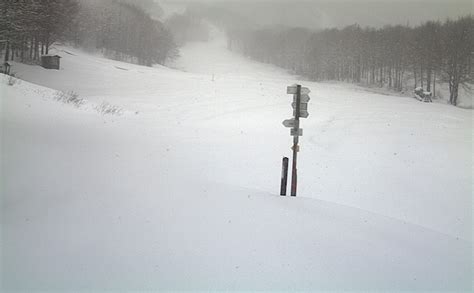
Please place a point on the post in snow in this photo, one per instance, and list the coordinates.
(284, 176)
(300, 110)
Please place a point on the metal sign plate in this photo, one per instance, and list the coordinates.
(303, 106)
(290, 123)
(303, 113)
(291, 90)
(304, 99)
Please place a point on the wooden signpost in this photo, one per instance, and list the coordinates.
(284, 176)
(300, 110)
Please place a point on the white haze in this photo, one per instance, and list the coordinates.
(339, 13)
(121, 177)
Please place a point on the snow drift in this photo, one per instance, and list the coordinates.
(180, 191)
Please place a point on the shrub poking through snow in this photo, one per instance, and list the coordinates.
(73, 99)
(70, 98)
(12, 80)
(108, 109)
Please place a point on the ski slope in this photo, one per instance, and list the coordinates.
(180, 191)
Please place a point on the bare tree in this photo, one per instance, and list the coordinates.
(458, 45)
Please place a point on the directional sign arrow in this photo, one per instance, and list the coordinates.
(296, 132)
(291, 90)
(290, 123)
(304, 98)
(303, 106)
(303, 113)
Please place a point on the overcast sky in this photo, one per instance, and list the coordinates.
(338, 13)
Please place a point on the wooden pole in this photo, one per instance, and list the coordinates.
(294, 170)
(284, 176)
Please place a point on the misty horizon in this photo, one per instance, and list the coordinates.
(236, 146)
(321, 14)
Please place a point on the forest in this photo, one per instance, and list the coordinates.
(397, 57)
(121, 29)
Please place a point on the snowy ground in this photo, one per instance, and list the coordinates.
(181, 190)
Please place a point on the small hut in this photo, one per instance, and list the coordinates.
(50, 61)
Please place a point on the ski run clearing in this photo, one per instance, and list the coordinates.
(158, 178)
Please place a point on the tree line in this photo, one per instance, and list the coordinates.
(28, 28)
(121, 28)
(397, 57)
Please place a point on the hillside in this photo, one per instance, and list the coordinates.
(180, 190)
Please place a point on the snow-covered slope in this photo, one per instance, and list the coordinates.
(180, 191)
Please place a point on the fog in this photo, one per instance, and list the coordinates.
(211, 145)
(339, 13)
